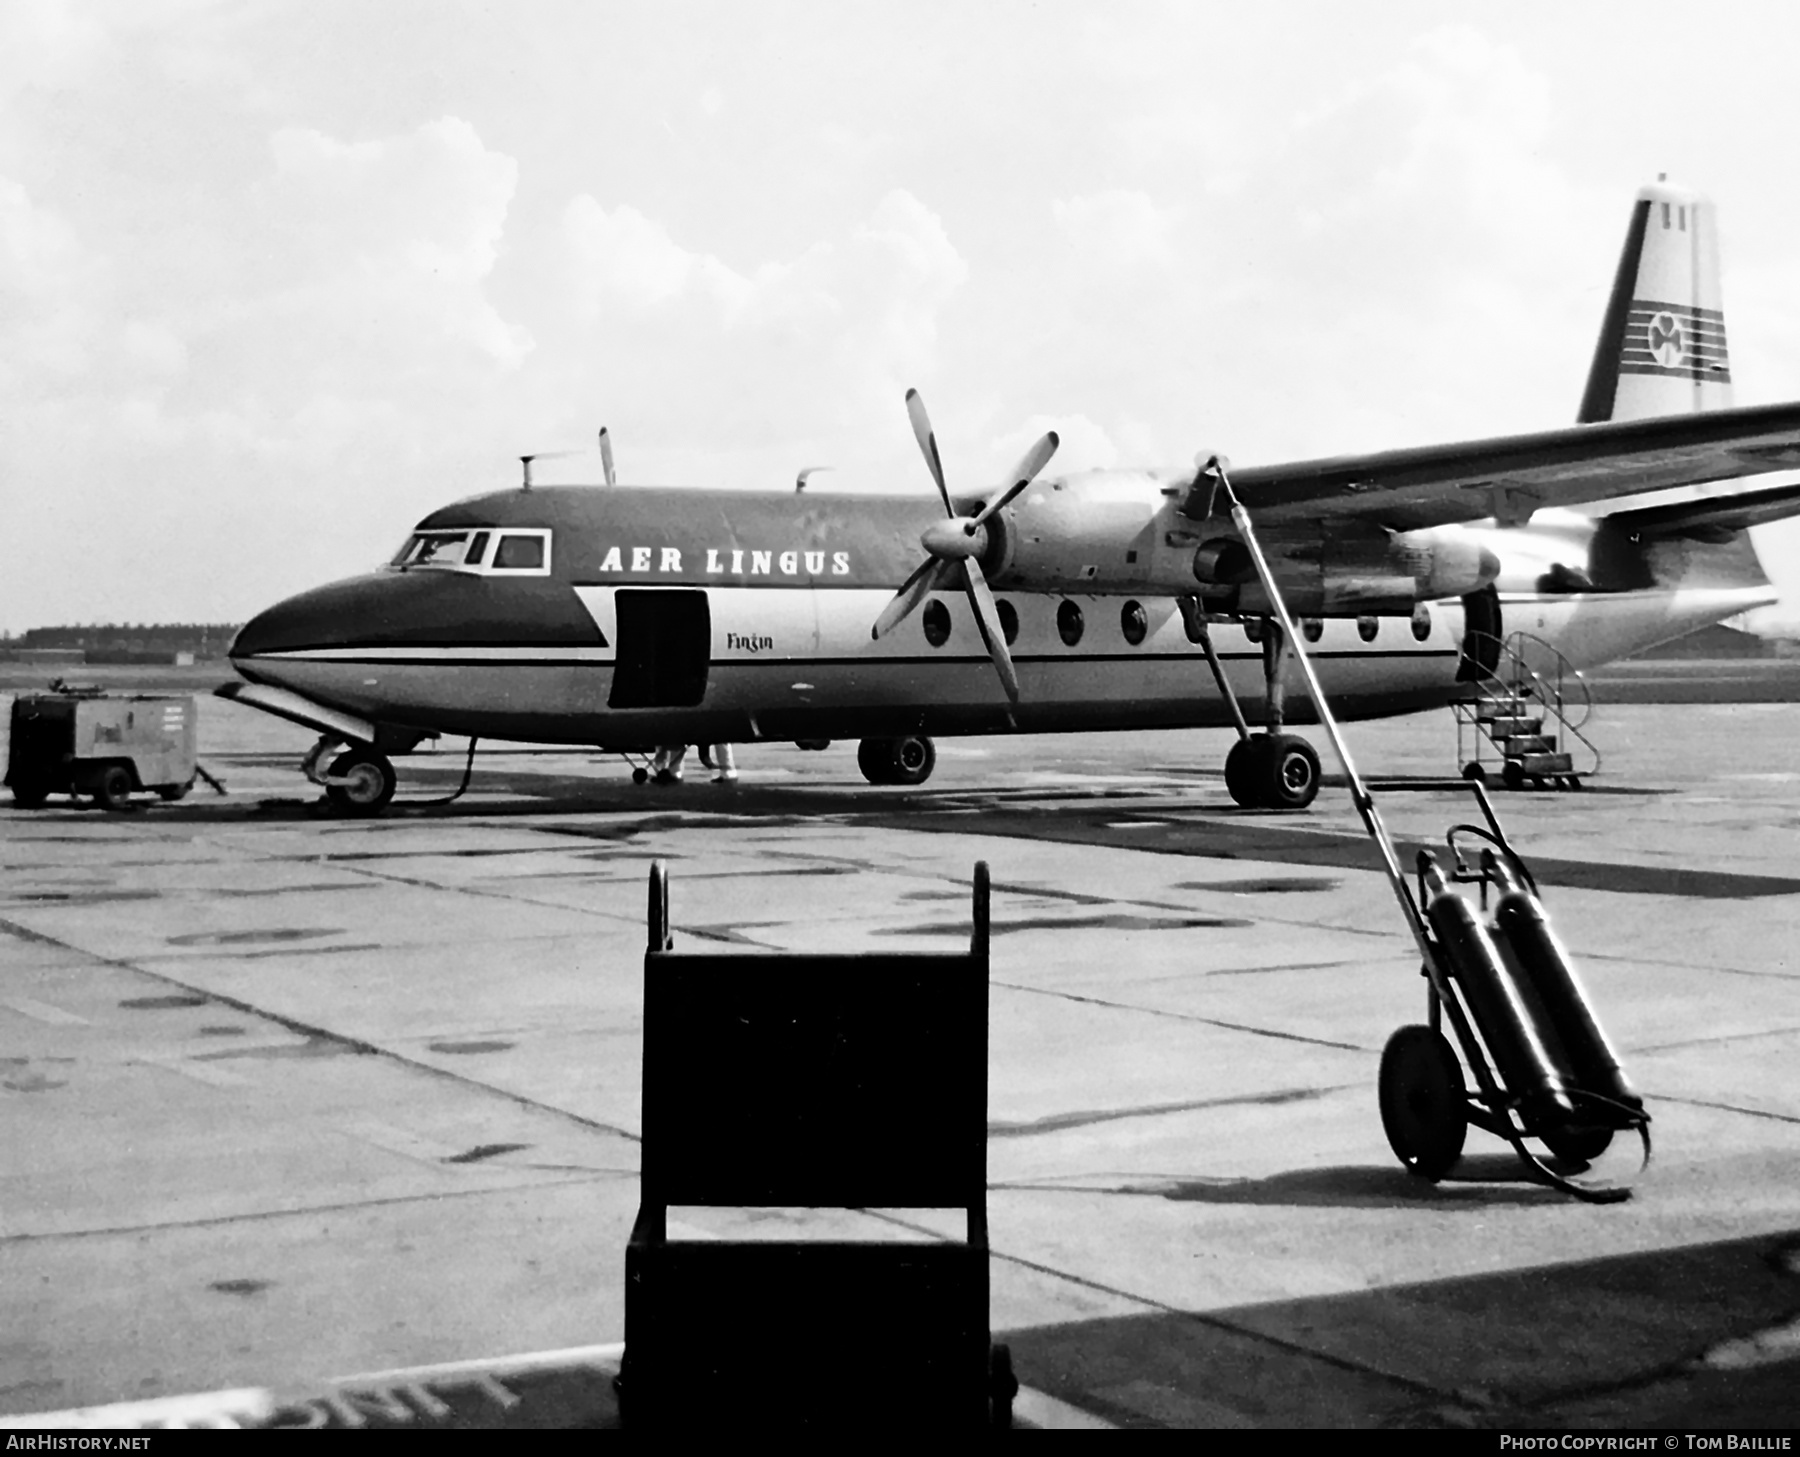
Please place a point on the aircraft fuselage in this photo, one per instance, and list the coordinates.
(626, 617)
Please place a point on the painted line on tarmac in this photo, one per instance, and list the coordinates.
(215, 1077)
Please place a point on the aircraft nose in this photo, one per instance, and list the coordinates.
(331, 616)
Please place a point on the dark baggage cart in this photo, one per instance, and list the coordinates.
(854, 1081)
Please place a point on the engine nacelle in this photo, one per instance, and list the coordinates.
(1121, 533)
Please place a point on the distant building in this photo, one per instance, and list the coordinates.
(123, 643)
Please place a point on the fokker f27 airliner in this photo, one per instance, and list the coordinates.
(624, 617)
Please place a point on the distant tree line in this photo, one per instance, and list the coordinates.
(202, 639)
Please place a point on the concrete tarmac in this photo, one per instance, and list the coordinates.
(285, 1095)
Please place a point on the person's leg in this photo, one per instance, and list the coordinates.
(725, 762)
(669, 761)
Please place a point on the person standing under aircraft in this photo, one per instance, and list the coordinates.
(724, 763)
(666, 766)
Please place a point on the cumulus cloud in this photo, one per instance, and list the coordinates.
(52, 288)
(704, 359)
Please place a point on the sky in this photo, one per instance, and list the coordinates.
(278, 278)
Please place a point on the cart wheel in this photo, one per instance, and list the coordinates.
(1424, 1108)
(1474, 773)
(1579, 1145)
(640, 775)
(173, 792)
(113, 788)
(1003, 1386)
(30, 794)
(371, 782)
(1513, 775)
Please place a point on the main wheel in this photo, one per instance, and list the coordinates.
(113, 788)
(1290, 771)
(1424, 1108)
(1474, 773)
(369, 782)
(913, 759)
(1242, 780)
(875, 757)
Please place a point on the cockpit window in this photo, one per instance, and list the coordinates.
(520, 553)
(467, 551)
(443, 549)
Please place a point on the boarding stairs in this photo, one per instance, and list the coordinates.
(1522, 717)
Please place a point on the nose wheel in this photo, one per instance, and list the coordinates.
(360, 782)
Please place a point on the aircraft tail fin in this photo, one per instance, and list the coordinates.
(1662, 343)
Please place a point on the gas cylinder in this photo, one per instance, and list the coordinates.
(1530, 947)
(1533, 1073)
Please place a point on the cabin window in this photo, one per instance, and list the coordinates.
(522, 552)
(936, 618)
(1068, 623)
(1421, 622)
(1134, 623)
(1312, 628)
(1253, 628)
(1367, 627)
(1009, 621)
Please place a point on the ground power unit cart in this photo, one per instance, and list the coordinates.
(1547, 1080)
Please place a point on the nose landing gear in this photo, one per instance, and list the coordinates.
(360, 781)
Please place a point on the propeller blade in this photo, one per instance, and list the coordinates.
(933, 575)
(1024, 473)
(921, 423)
(988, 616)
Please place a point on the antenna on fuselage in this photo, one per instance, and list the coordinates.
(606, 464)
(526, 460)
(811, 470)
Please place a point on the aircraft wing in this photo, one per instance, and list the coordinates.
(1510, 476)
(1724, 512)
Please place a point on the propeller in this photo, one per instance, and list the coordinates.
(954, 547)
(606, 464)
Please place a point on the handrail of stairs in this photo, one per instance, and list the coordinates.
(1529, 668)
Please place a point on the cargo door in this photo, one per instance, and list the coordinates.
(664, 647)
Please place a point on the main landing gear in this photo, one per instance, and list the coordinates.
(905, 760)
(1270, 770)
